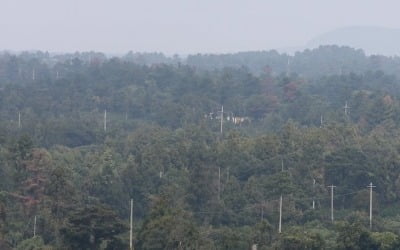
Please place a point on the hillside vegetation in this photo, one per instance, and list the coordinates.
(68, 177)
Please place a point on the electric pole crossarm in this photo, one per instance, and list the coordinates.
(346, 108)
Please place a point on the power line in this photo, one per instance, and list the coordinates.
(252, 206)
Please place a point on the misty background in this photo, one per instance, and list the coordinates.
(189, 26)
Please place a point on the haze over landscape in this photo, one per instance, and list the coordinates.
(184, 27)
(199, 125)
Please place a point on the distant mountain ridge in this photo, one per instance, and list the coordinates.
(373, 40)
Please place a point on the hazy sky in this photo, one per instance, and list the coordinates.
(181, 26)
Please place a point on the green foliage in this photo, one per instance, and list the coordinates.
(89, 227)
(193, 187)
(386, 240)
(353, 237)
(233, 238)
(168, 228)
(35, 243)
(299, 239)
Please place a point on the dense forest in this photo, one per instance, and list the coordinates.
(206, 147)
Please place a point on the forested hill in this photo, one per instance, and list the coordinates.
(325, 60)
(374, 40)
(321, 61)
(82, 134)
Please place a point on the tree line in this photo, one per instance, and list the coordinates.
(194, 187)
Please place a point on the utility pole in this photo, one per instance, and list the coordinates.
(346, 107)
(222, 117)
(131, 227)
(280, 215)
(219, 183)
(57, 75)
(280, 207)
(19, 119)
(262, 211)
(105, 120)
(322, 122)
(288, 67)
(370, 186)
(34, 227)
(332, 187)
(313, 201)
